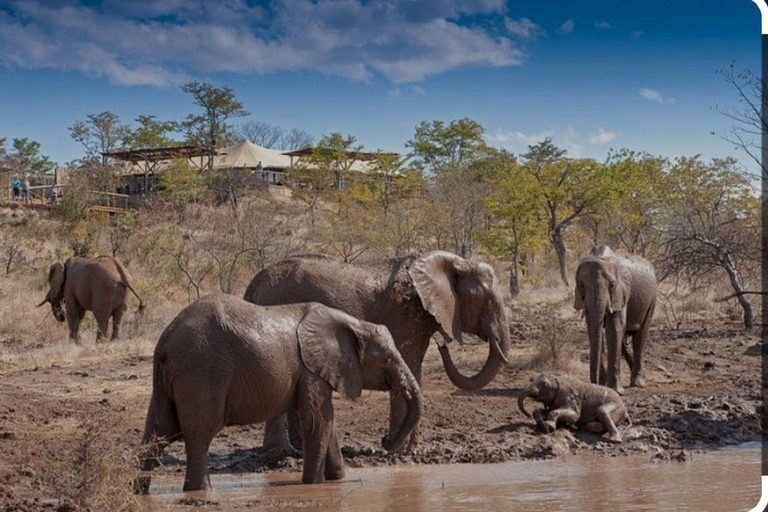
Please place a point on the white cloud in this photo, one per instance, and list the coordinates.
(566, 27)
(654, 95)
(603, 24)
(637, 34)
(505, 138)
(163, 42)
(523, 28)
(602, 137)
(395, 93)
(419, 90)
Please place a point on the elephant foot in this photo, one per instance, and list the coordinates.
(617, 387)
(615, 438)
(205, 485)
(595, 427)
(549, 426)
(637, 382)
(278, 453)
(334, 473)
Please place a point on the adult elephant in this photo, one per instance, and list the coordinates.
(99, 285)
(224, 361)
(414, 296)
(617, 293)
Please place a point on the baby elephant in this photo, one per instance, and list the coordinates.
(571, 401)
(224, 361)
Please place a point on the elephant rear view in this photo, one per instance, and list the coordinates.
(99, 285)
(617, 293)
(224, 361)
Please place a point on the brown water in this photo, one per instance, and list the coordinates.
(727, 480)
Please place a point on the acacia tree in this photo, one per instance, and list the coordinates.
(569, 190)
(26, 158)
(640, 189)
(712, 224)
(151, 133)
(518, 228)
(99, 134)
(210, 128)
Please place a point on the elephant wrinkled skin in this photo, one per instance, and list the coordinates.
(414, 296)
(224, 361)
(99, 285)
(617, 293)
(570, 401)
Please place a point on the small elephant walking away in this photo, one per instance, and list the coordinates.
(617, 295)
(99, 285)
(224, 361)
(568, 400)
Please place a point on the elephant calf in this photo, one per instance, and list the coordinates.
(224, 361)
(571, 401)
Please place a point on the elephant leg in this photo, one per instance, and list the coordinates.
(117, 317)
(334, 461)
(604, 415)
(595, 427)
(560, 415)
(196, 445)
(277, 444)
(627, 355)
(102, 321)
(603, 378)
(74, 316)
(613, 336)
(639, 341)
(316, 415)
(398, 407)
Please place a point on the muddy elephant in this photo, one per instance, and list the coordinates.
(570, 401)
(617, 293)
(99, 285)
(414, 296)
(224, 361)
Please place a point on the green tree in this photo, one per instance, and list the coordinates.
(27, 159)
(210, 129)
(436, 146)
(180, 185)
(99, 134)
(151, 133)
(568, 189)
(519, 226)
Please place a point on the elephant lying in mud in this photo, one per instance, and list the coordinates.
(223, 361)
(414, 296)
(617, 294)
(99, 285)
(570, 401)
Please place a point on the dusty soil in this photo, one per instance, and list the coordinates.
(66, 424)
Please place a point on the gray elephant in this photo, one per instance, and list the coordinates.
(570, 401)
(98, 285)
(223, 361)
(617, 293)
(414, 296)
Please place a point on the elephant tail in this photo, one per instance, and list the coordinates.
(127, 284)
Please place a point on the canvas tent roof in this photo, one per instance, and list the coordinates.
(248, 155)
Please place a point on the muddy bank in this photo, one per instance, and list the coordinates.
(703, 392)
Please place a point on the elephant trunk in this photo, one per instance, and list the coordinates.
(595, 319)
(498, 346)
(521, 401)
(406, 383)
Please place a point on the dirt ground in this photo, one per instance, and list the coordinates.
(69, 426)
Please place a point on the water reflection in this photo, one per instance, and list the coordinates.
(717, 480)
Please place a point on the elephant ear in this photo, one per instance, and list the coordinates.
(56, 281)
(332, 348)
(619, 289)
(434, 277)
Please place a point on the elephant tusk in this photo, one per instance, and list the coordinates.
(610, 310)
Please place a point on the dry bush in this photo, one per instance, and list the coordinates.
(556, 337)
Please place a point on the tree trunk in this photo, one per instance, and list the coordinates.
(514, 280)
(733, 275)
(559, 244)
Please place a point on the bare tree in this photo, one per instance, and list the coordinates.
(276, 137)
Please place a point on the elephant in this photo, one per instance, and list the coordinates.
(82, 284)
(617, 293)
(414, 296)
(568, 400)
(224, 361)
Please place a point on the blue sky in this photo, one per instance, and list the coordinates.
(591, 74)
